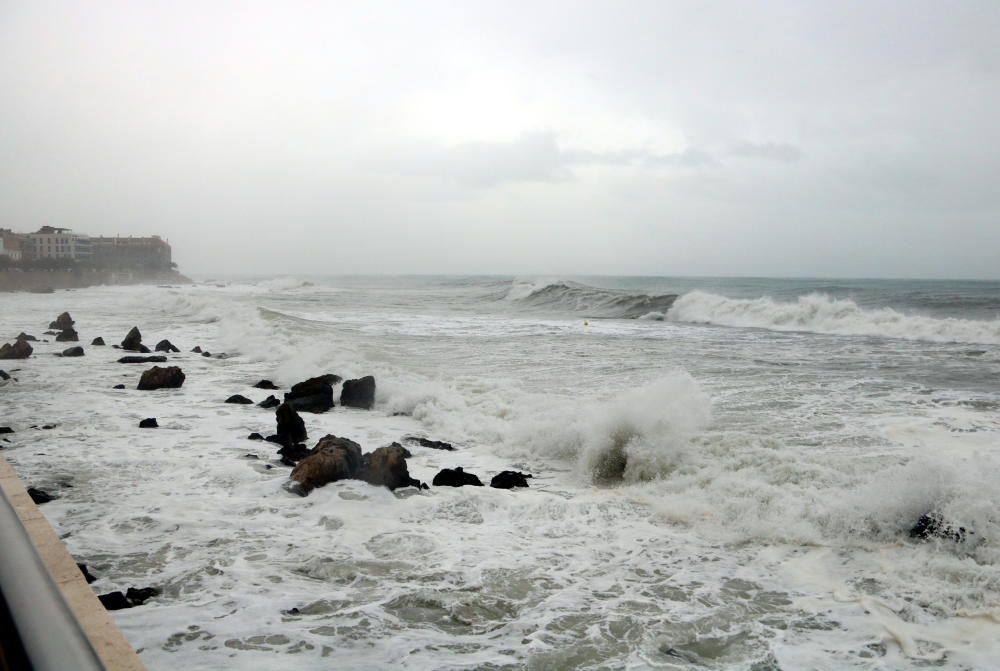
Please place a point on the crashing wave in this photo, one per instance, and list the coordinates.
(819, 313)
(565, 296)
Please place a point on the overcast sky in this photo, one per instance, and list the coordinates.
(669, 138)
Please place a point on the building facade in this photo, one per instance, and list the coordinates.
(131, 253)
(49, 242)
(10, 244)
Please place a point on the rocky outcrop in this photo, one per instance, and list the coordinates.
(266, 384)
(170, 377)
(62, 322)
(72, 351)
(24, 336)
(239, 399)
(313, 395)
(165, 346)
(386, 466)
(509, 480)
(432, 444)
(291, 428)
(156, 358)
(68, 335)
(97, 342)
(332, 459)
(149, 423)
(359, 393)
(19, 350)
(39, 496)
(456, 477)
(133, 340)
(269, 402)
(933, 525)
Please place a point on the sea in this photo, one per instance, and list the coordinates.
(725, 471)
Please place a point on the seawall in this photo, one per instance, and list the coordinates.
(43, 281)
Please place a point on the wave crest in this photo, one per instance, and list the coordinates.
(819, 313)
(565, 296)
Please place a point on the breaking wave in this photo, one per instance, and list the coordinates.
(819, 313)
(564, 296)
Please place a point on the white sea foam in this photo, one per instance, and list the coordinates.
(819, 313)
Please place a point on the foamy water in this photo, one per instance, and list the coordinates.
(727, 486)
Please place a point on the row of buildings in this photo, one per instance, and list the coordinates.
(71, 248)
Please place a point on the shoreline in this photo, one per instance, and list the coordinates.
(44, 281)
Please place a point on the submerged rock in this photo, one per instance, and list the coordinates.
(239, 399)
(86, 574)
(165, 346)
(72, 351)
(269, 402)
(255, 436)
(39, 496)
(206, 354)
(265, 384)
(6, 429)
(114, 601)
(140, 595)
(118, 386)
(68, 335)
(509, 480)
(24, 336)
(97, 342)
(170, 377)
(933, 525)
(149, 423)
(196, 349)
(19, 350)
(291, 428)
(358, 393)
(332, 459)
(432, 444)
(293, 454)
(456, 477)
(132, 358)
(313, 395)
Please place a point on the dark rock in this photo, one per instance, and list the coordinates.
(47, 427)
(250, 456)
(132, 358)
(114, 601)
(255, 436)
(241, 400)
(933, 525)
(133, 341)
(386, 466)
(118, 386)
(266, 384)
(86, 574)
(509, 480)
(40, 497)
(139, 596)
(143, 349)
(72, 351)
(149, 423)
(165, 346)
(332, 459)
(455, 478)
(196, 349)
(273, 439)
(426, 442)
(312, 395)
(6, 429)
(62, 322)
(52, 333)
(68, 335)
(24, 336)
(293, 454)
(358, 393)
(4, 375)
(269, 402)
(170, 377)
(206, 354)
(19, 350)
(291, 428)
(97, 342)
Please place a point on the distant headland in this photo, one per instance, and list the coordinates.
(59, 258)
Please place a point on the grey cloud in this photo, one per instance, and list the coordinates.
(774, 151)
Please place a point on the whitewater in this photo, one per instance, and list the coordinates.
(726, 471)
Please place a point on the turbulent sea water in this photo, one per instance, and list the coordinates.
(726, 472)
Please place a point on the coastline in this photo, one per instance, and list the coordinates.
(43, 281)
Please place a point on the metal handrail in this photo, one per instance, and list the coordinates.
(47, 632)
